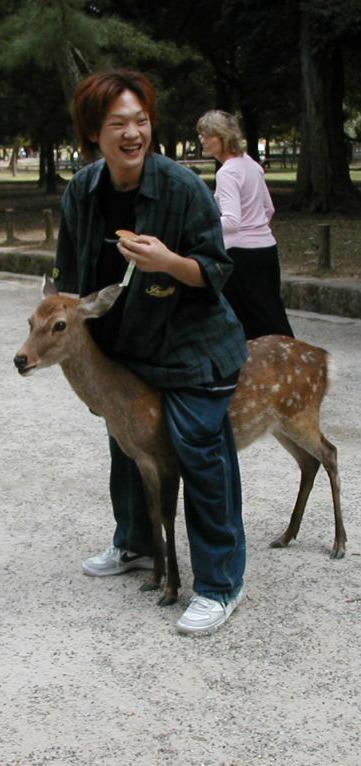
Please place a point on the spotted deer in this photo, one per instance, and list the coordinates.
(280, 389)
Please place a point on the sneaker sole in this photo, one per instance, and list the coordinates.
(92, 573)
(113, 572)
(188, 631)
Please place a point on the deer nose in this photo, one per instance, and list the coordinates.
(20, 361)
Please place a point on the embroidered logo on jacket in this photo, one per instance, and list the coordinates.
(157, 291)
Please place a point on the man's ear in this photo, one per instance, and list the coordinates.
(97, 304)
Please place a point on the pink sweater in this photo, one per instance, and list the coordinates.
(244, 203)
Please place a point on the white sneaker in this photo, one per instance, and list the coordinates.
(114, 561)
(204, 615)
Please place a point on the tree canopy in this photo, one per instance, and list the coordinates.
(285, 67)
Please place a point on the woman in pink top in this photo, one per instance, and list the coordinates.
(246, 209)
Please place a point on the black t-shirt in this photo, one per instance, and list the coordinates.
(118, 211)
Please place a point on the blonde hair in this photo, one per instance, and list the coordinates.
(223, 125)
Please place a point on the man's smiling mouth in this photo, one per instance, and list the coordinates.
(131, 149)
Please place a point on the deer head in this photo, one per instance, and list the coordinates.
(54, 326)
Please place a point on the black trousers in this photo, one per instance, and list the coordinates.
(254, 291)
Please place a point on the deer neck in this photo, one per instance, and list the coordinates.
(90, 372)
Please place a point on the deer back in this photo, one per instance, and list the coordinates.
(283, 379)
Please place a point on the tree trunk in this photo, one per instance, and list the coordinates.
(323, 179)
(71, 67)
(250, 124)
(42, 165)
(14, 159)
(171, 143)
(50, 170)
(223, 91)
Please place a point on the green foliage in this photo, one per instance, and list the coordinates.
(334, 20)
(38, 29)
(33, 108)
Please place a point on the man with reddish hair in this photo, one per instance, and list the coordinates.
(172, 327)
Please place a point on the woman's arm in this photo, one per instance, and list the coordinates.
(228, 198)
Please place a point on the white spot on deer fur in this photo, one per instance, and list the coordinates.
(289, 378)
(153, 412)
(276, 387)
(254, 388)
(289, 402)
(314, 387)
(298, 370)
(305, 358)
(244, 410)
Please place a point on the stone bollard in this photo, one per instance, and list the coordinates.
(324, 248)
(9, 226)
(49, 225)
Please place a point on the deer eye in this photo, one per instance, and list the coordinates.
(59, 327)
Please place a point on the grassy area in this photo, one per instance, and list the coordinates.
(206, 171)
(26, 176)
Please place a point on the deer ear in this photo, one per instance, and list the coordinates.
(97, 304)
(48, 286)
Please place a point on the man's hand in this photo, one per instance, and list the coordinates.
(150, 254)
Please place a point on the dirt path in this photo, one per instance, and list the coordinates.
(92, 671)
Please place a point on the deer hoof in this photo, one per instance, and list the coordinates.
(167, 599)
(148, 586)
(337, 553)
(278, 543)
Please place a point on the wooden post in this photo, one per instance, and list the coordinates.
(9, 226)
(49, 225)
(324, 248)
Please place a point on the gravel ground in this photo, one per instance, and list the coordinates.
(93, 671)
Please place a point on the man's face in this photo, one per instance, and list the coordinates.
(125, 137)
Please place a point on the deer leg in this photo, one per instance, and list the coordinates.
(170, 595)
(169, 505)
(152, 491)
(306, 435)
(309, 466)
(329, 461)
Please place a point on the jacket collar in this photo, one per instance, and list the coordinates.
(149, 186)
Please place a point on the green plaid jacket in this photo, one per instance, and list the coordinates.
(170, 334)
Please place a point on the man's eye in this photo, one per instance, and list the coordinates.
(59, 326)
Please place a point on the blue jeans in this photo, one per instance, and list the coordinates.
(202, 437)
